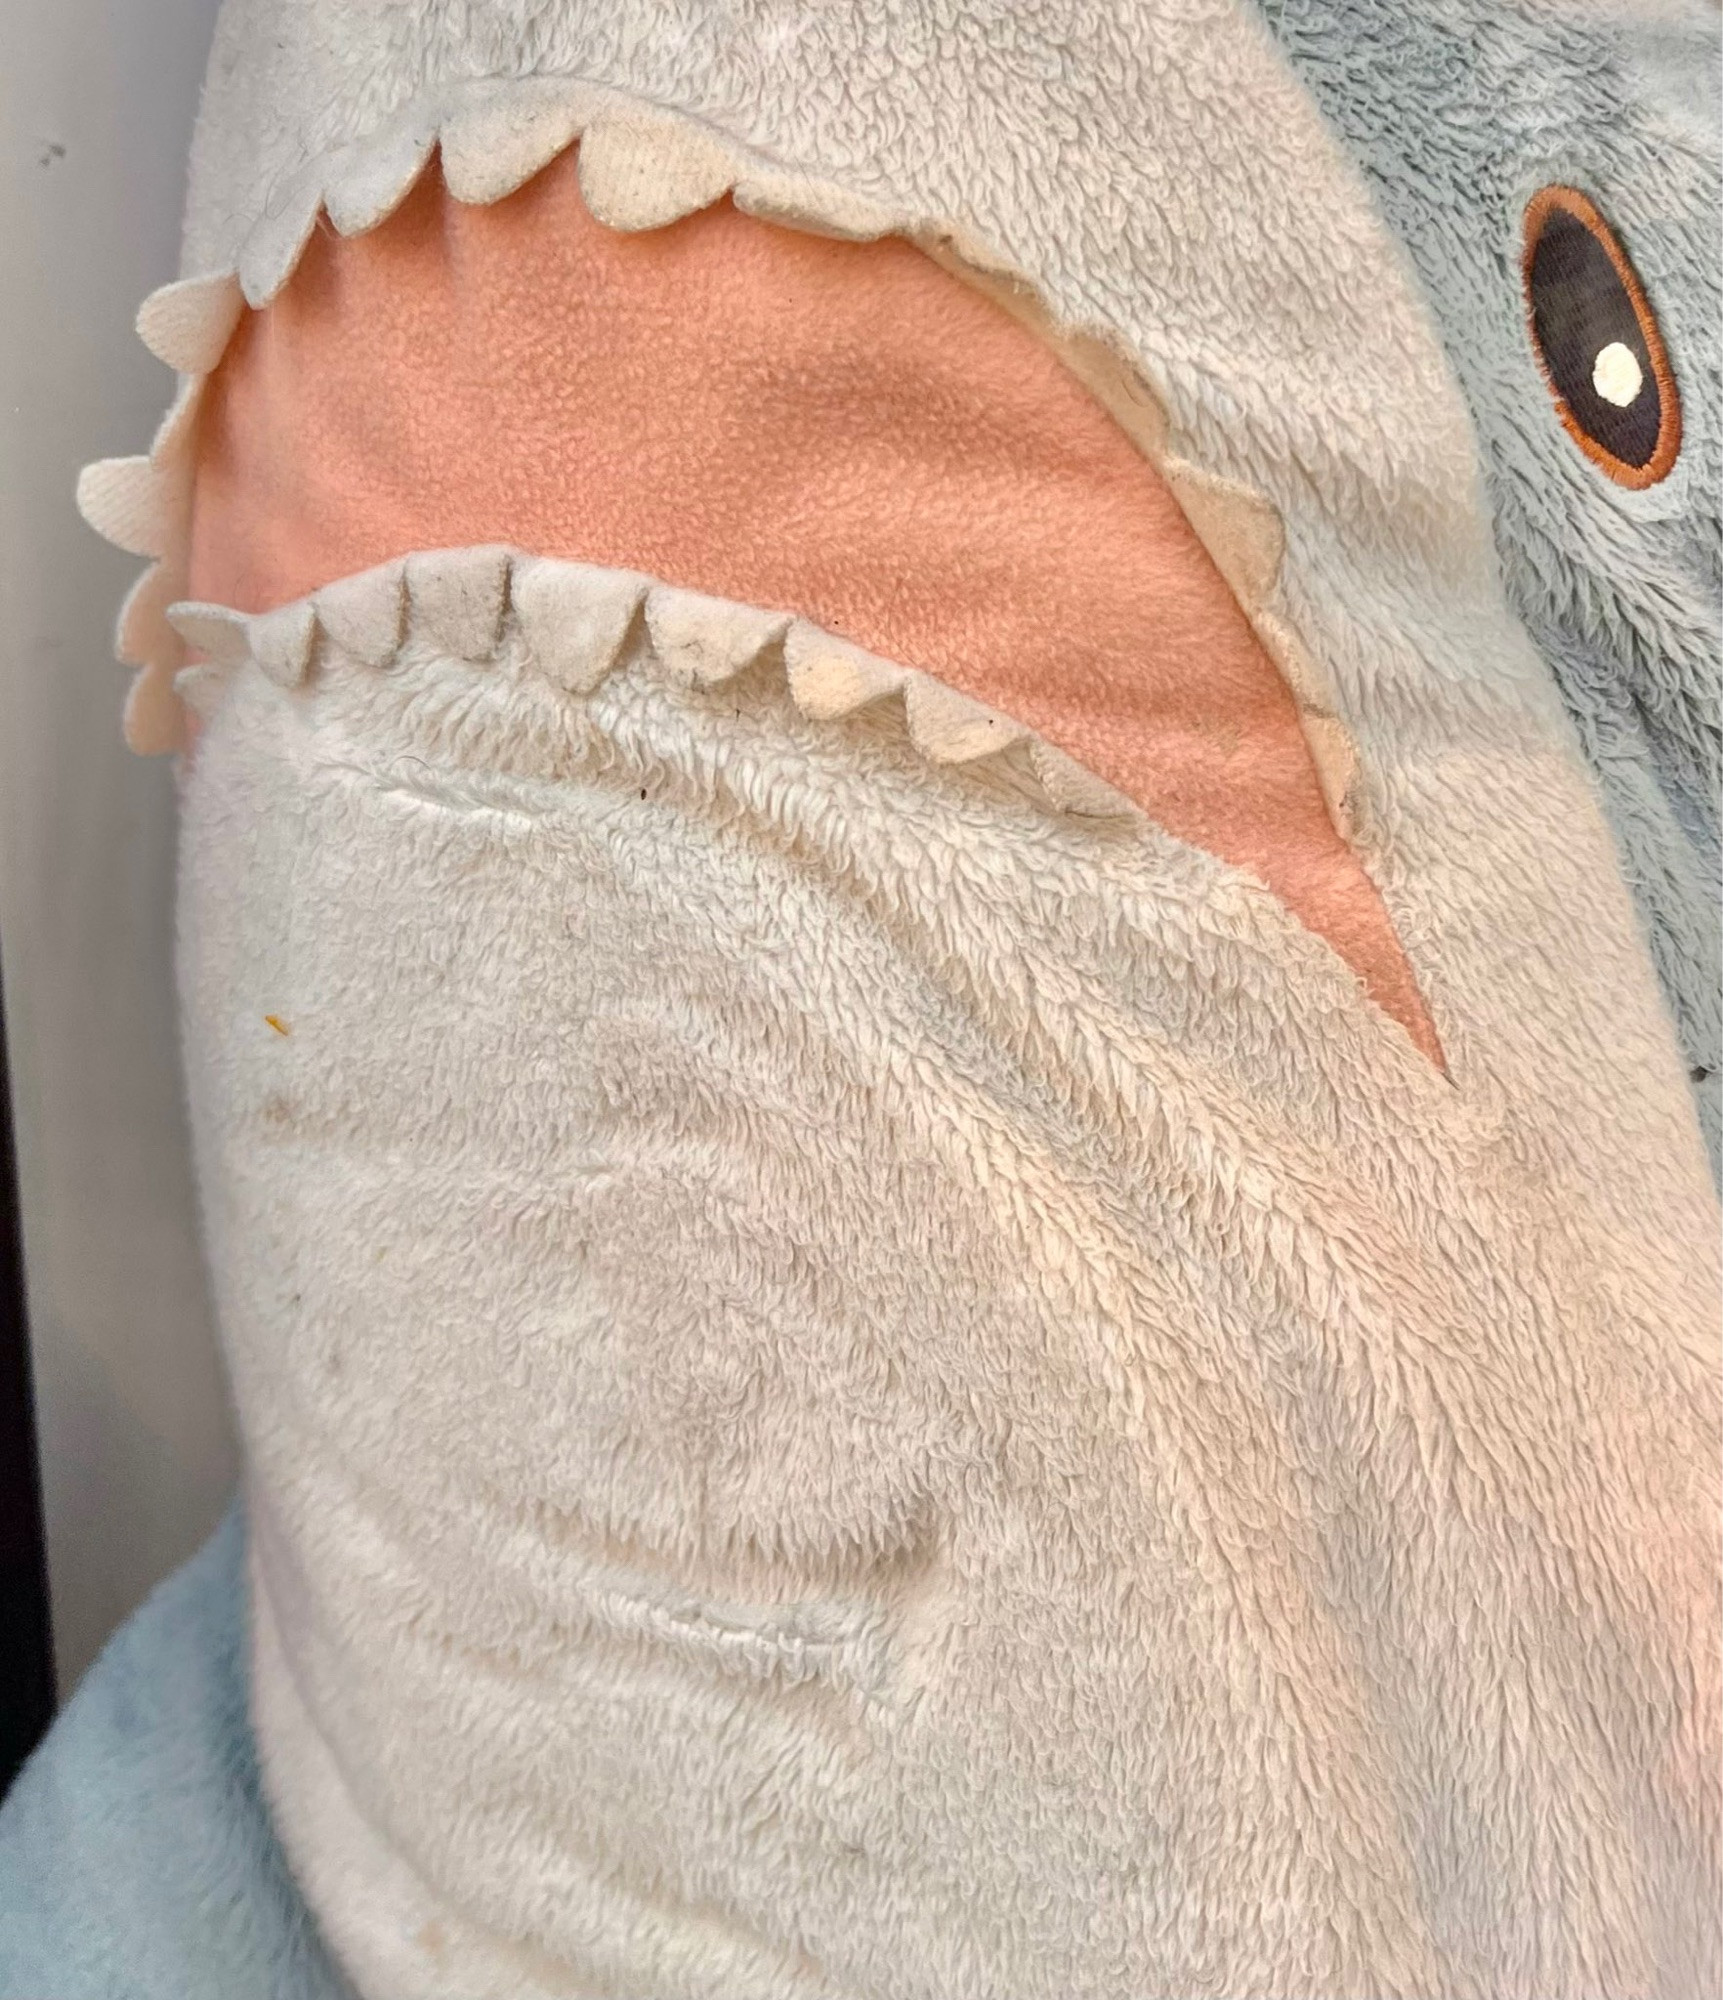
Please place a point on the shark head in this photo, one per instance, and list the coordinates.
(1460, 116)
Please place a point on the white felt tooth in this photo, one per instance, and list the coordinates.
(1308, 676)
(282, 642)
(172, 443)
(644, 172)
(829, 677)
(950, 728)
(155, 715)
(189, 323)
(212, 629)
(275, 242)
(798, 201)
(1238, 528)
(201, 688)
(496, 138)
(142, 632)
(363, 614)
(129, 501)
(959, 244)
(1073, 789)
(1335, 756)
(455, 599)
(575, 618)
(704, 641)
(1116, 383)
(376, 173)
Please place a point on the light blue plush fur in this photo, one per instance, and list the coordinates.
(1457, 113)
(136, 1854)
(137, 1861)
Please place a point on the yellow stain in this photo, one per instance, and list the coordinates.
(280, 1026)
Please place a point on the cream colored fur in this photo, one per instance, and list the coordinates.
(856, 1388)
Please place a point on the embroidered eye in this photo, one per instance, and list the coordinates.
(1597, 340)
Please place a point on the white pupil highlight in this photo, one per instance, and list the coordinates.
(1616, 374)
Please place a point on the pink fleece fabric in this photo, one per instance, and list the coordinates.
(841, 430)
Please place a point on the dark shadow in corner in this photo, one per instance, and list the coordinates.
(26, 1655)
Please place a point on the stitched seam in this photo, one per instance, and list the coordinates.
(640, 167)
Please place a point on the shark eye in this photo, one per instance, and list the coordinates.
(1597, 340)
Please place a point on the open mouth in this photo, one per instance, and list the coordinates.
(541, 353)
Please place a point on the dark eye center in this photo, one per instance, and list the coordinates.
(1598, 341)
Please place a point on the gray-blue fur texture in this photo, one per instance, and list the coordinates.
(1457, 114)
(137, 1858)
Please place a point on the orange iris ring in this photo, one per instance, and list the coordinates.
(1585, 212)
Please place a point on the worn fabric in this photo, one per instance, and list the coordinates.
(852, 1387)
(667, 401)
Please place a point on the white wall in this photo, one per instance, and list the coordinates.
(96, 105)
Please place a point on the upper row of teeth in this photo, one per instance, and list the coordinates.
(640, 166)
(575, 621)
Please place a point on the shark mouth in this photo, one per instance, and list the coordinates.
(641, 169)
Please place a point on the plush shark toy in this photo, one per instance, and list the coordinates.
(948, 1130)
(1458, 123)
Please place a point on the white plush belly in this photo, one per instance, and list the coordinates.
(855, 1388)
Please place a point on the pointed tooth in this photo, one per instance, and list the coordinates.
(1117, 384)
(130, 502)
(155, 717)
(1240, 530)
(829, 677)
(377, 173)
(1308, 677)
(575, 618)
(950, 728)
(276, 241)
(958, 243)
(815, 207)
(177, 431)
(643, 173)
(188, 324)
(201, 688)
(212, 629)
(1335, 756)
(142, 632)
(497, 138)
(282, 642)
(455, 599)
(363, 614)
(706, 640)
(1073, 789)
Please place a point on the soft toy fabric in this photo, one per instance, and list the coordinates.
(865, 1373)
(137, 1859)
(960, 499)
(1457, 125)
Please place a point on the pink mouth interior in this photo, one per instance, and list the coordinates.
(841, 430)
